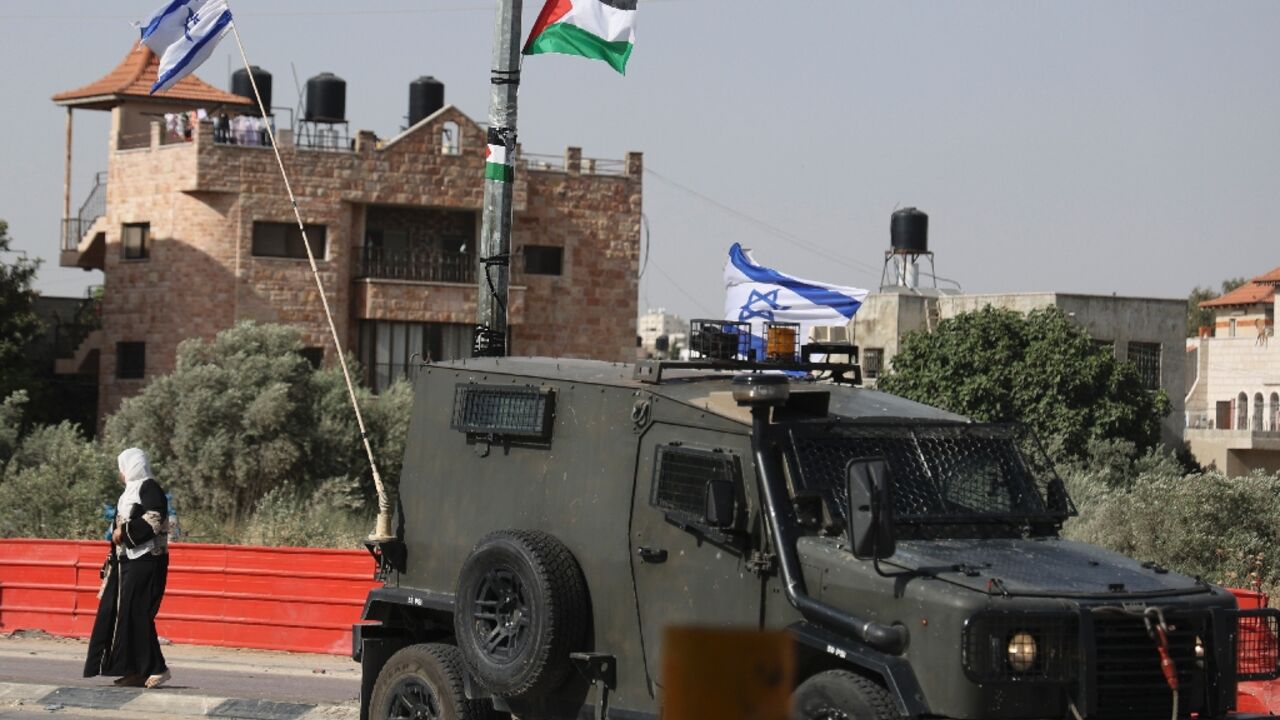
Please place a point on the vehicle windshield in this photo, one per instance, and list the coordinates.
(941, 473)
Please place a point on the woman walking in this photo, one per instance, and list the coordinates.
(124, 641)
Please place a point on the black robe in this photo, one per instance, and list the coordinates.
(124, 640)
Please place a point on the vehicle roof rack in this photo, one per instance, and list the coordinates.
(844, 373)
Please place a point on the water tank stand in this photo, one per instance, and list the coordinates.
(911, 257)
(320, 135)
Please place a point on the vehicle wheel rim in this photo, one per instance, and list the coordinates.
(413, 699)
(827, 713)
(501, 615)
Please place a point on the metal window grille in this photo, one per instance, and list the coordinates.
(503, 410)
(682, 475)
(1146, 358)
(942, 473)
(872, 362)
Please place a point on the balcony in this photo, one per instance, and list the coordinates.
(83, 241)
(416, 266)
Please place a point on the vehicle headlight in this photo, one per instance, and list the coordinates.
(1022, 651)
(1000, 646)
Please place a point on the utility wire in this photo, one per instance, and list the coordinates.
(773, 229)
(684, 292)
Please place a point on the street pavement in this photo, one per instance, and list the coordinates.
(40, 676)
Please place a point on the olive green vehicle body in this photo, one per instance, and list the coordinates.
(590, 484)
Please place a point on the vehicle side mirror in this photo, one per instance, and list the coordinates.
(870, 508)
(718, 510)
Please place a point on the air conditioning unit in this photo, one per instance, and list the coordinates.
(831, 334)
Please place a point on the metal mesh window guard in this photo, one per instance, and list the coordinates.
(682, 476)
(941, 473)
(502, 410)
(1258, 644)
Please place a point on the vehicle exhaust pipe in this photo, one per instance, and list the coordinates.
(890, 639)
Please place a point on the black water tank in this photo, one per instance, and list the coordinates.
(909, 231)
(326, 99)
(426, 96)
(240, 84)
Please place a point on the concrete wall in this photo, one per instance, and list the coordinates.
(202, 199)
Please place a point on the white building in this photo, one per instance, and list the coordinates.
(660, 334)
(1233, 406)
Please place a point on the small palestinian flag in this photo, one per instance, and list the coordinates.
(497, 164)
(597, 29)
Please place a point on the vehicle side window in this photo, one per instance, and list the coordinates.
(681, 481)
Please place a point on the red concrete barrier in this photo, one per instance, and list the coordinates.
(297, 599)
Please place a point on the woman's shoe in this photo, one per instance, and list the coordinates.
(131, 680)
(156, 681)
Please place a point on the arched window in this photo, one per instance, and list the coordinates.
(1275, 412)
(1257, 412)
(1242, 412)
(450, 139)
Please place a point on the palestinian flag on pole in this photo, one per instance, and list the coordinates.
(597, 29)
(497, 164)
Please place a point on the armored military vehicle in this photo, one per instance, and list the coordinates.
(556, 515)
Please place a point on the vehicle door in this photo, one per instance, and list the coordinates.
(686, 571)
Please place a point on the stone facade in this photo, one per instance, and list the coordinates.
(202, 199)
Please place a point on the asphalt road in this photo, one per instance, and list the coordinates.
(42, 677)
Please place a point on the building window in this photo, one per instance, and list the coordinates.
(313, 355)
(872, 362)
(1146, 358)
(1231, 327)
(131, 360)
(137, 241)
(272, 239)
(390, 350)
(450, 139)
(543, 260)
(1242, 412)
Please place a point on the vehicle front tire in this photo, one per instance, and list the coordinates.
(520, 609)
(842, 695)
(424, 682)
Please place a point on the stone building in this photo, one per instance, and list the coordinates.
(1233, 406)
(1149, 332)
(194, 232)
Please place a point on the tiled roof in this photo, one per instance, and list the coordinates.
(133, 78)
(1271, 277)
(1251, 293)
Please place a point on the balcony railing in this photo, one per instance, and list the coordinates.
(417, 266)
(74, 228)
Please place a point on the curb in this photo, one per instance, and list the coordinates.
(174, 704)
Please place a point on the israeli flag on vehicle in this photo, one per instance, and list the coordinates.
(758, 294)
(183, 35)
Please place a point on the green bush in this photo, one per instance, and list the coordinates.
(55, 485)
(246, 415)
(1205, 524)
(1041, 369)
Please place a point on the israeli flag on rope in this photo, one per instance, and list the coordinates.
(758, 294)
(183, 35)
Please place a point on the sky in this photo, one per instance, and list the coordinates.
(1087, 146)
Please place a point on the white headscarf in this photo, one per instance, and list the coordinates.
(136, 469)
